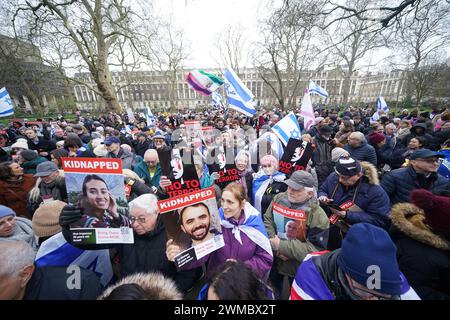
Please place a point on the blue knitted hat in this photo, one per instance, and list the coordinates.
(367, 245)
(5, 211)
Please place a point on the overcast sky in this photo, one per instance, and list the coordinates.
(202, 20)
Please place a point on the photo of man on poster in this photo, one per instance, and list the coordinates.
(195, 221)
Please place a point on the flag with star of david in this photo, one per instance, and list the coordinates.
(287, 128)
(6, 105)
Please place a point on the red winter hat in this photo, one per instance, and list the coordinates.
(375, 137)
(436, 208)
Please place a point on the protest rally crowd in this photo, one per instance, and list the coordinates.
(369, 207)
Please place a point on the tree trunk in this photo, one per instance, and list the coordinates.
(104, 85)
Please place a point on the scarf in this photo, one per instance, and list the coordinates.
(260, 184)
(52, 189)
(242, 180)
(252, 226)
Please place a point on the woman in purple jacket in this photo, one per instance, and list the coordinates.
(244, 235)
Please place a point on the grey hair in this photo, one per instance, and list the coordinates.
(147, 202)
(15, 255)
(358, 135)
(391, 126)
(150, 152)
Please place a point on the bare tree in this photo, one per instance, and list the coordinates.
(380, 14)
(351, 41)
(166, 54)
(230, 48)
(288, 51)
(92, 27)
(423, 39)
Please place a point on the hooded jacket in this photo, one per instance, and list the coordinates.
(317, 225)
(423, 256)
(414, 134)
(371, 200)
(155, 285)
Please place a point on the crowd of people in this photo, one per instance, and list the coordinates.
(375, 196)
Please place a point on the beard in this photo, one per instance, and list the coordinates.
(200, 238)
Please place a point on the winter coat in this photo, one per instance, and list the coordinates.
(400, 182)
(23, 232)
(43, 145)
(128, 159)
(140, 148)
(372, 202)
(365, 152)
(57, 190)
(317, 225)
(321, 158)
(29, 167)
(423, 256)
(253, 255)
(148, 254)
(142, 171)
(320, 278)
(438, 138)
(155, 286)
(50, 283)
(14, 195)
(413, 134)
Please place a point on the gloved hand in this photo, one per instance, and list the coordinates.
(70, 214)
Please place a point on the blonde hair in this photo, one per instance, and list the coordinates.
(237, 190)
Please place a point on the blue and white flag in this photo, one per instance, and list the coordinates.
(239, 97)
(150, 117)
(315, 88)
(287, 128)
(6, 105)
(382, 105)
(216, 99)
(57, 252)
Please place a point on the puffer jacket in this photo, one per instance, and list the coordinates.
(371, 200)
(423, 256)
(399, 183)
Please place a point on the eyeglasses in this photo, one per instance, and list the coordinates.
(365, 294)
(139, 220)
(266, 165)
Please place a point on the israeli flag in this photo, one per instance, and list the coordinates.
(239, 97)
(287, 128)
(57, 252)
(217, 99)
(382, 105)
(150, 117)
(315, 88)
(6, 105)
